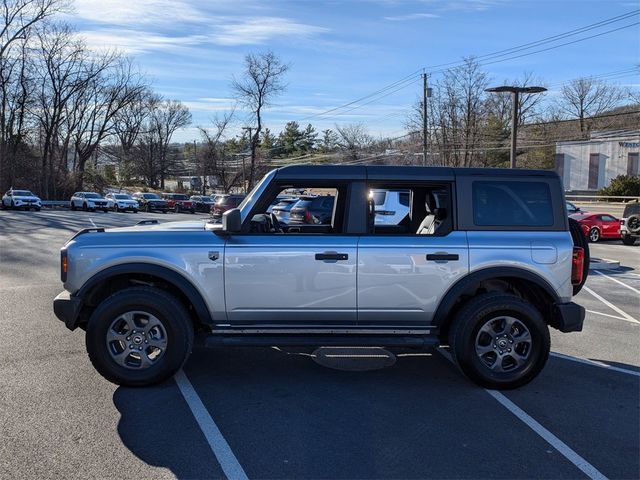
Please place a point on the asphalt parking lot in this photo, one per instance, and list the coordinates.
(275, 413)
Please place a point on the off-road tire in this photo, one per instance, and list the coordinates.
(470, 319)
(167, 309)
(633, 224)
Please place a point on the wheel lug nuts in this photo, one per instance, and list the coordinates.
(509, 350)
(131, 347)
(140, 348)
(146, 341)
(128, 338)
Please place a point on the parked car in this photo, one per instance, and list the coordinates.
(597, 226)
(89, 201)
(224, 203)
(487, 273)
(150, 202)
(202, 203)
(572, 209)
(178, 202)
(312, 210)
(282, 209)
(630, 223)
(121, 202)
(23, 199)
(391, 206)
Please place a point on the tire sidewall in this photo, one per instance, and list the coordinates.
(465, 343)
(173, 318)
(596, 233)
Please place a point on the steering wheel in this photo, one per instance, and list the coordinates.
(276, 224)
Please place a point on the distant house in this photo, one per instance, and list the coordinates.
(588, 165)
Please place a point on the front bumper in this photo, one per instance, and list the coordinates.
(568, 317)
(67, 309)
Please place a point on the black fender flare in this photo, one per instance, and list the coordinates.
(185, 286)
(447, 304)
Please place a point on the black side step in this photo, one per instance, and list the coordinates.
(320, 340)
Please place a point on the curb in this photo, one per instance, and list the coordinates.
(603, 264)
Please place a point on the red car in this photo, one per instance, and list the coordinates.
(179, 202)
(598, 225)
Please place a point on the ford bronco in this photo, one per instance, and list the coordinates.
(485, 262)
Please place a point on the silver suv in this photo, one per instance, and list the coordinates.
(485, 262)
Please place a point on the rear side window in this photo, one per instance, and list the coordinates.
(378, 197)
(403, 197)
(512, 204)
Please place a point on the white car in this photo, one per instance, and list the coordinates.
(391, 206)
(89, 201)
(121, 202)
(21, 199)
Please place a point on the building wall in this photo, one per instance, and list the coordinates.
(573, 160)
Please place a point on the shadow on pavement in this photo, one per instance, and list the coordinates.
(158, 427)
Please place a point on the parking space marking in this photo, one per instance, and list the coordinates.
(606, 315)
(626, 316)
(595, 363)
(564, 449)
(618, 281)
(219, 446)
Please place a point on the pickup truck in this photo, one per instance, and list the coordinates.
(485, 262)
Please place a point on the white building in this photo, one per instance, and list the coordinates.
(591, 164)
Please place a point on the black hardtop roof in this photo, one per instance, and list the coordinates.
(385, 172)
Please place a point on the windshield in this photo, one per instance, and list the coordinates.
(92, 195)
(247, 203)
(121, 196)
(22, 193)
(150, 196)
(178, 196)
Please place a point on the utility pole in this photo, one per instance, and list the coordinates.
(244, 184)
(425, 95)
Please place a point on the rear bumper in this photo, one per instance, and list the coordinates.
(67, 309)
(568, 317)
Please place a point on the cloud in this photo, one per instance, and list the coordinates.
(262, 29)
(134, 41)
(411, 16)
(137, 12)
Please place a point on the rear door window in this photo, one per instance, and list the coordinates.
(504, 203)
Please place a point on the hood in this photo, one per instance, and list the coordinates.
(27, 197)
(189, 225)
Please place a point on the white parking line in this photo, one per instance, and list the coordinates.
(618, 281)
(626, 316)
(594, 363)
(564, 449)
(219, 446)
(606, 315)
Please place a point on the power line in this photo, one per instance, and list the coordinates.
(501, 53)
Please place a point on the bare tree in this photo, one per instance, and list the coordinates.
(353, 139)
(588, 97)
(217, 160)
(261, 80)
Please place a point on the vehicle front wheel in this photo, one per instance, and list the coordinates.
(139, 336)
(73, 207)
(499, 341)
(85, 207)
(628, 239)
(594, 235)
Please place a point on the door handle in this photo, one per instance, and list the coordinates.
(331, 256)
(442, 257)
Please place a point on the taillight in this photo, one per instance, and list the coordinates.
(577, 266)
(621, 222)
(64, 265)
(307, 216)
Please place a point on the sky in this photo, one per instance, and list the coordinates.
(340, 51)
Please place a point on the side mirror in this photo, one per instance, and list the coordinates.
(231, 221)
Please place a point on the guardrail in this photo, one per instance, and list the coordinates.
(55, 203)
(601, 198)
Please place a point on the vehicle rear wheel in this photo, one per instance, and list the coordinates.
(84, 206)
(73, 207)
(147, 208)
(139, 336)
(628, 239)
(177, 209)
(13, 205)
(499, 341)
(594, 235)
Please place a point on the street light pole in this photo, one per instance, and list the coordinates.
(515, 98)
